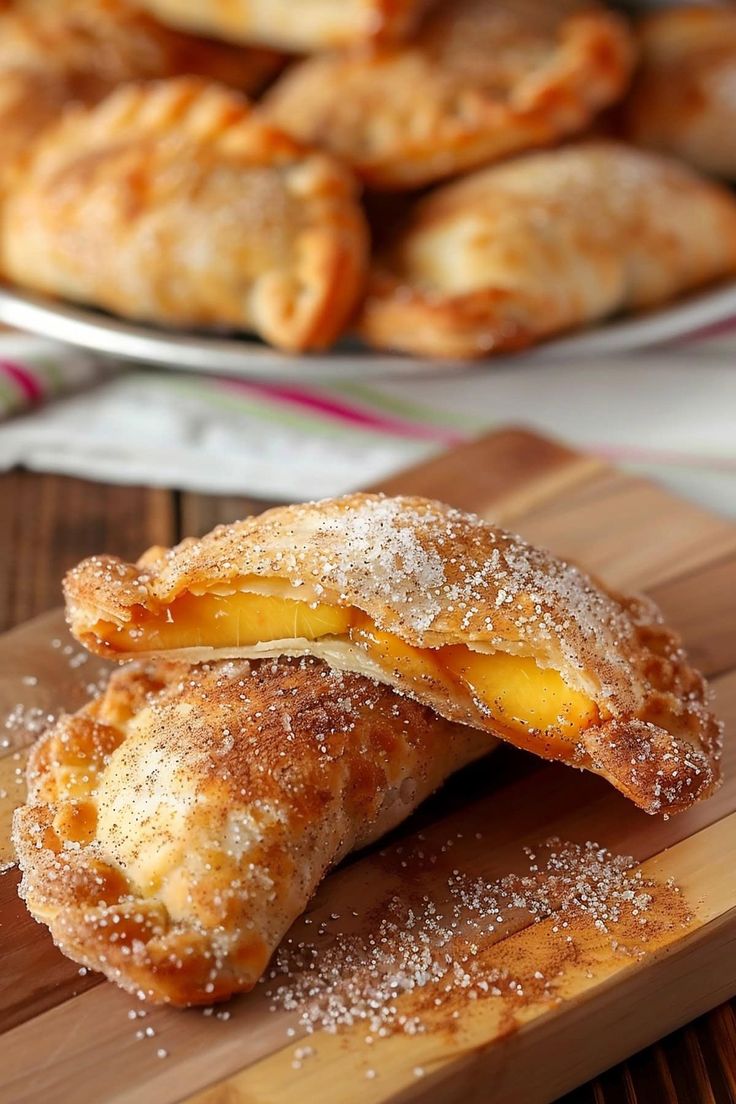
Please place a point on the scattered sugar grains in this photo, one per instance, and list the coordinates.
(26, 721)
(425, 957)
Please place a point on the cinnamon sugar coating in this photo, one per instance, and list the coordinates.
(432, 576)
(178, 825)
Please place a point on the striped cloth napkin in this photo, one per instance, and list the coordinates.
(33, 371)
(669, 413)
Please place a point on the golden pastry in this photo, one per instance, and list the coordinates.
(30, 100)
(483, 79)
(98, 44)
(171, 202)
(306, 26)
(463, 616)
(56, 52)
(684, 98)
(544, 243)
(178, 825)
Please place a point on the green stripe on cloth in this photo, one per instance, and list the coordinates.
(55, 377)
(10, 397)
(411, 410)
(217, 396)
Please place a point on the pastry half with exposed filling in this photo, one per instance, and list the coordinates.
(544, 243)
(459, 614)
(172, 202)
(178, 824)
(482, 79)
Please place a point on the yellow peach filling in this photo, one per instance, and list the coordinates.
(237, 620)
(514, 690)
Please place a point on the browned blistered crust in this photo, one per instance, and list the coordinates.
(177, 825)
(434, 576)
(544, 243)
(482, 80)
(172, 202)
(684, 97)
(314, 25)
(57, 52)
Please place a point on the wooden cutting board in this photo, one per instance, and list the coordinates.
(69, 1037)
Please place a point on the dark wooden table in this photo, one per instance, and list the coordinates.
(51, 522)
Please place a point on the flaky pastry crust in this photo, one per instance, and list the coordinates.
(434, 577)
(684, 98)
(178, 824)
(553, 240)
(172, 202)
(483, 79)
(313, 25)
(57, 52)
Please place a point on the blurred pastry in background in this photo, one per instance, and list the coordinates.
(30, 100)
(98, 44)
(544, 243)
(55, 52)
(172, 202)
(483, 79)
(102, 43)
(299, 25)
(684, 98)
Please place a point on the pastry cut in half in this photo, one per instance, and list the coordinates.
(482, 79)
(178, 824)
(172, 202)
(303, 26)
(684, 98)
(442, 606)
(547, 242)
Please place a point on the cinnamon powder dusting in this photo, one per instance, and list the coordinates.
(419, 958)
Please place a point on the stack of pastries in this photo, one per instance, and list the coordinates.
(539, 148)
(292, 686)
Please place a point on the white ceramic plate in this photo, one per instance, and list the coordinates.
(243, 356)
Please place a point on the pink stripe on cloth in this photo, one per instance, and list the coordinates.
(715, 329)
(339, 410)
(24, 380)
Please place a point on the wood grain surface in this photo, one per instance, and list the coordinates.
(73, 1031)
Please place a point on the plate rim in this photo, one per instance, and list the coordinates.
(86, 328)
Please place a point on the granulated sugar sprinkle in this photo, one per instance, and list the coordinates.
(23, 722)
(433, 949)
